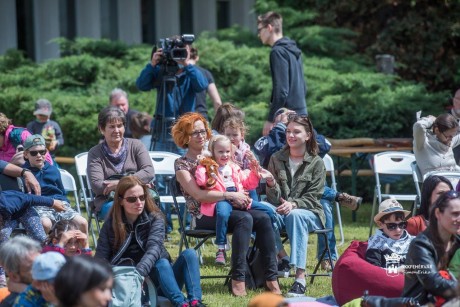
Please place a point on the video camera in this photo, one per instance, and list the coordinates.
(174, 48)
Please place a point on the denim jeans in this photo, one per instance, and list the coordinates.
(171, 278)
(105, 209)
(298, 224)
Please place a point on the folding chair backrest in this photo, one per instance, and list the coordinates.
(329, 164)
(163, 162)
(394, 163)
(70, 186)
(454, 177)
(418, 181)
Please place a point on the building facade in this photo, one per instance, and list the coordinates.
(33, 25)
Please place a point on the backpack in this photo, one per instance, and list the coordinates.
(254, 277)
(128, 288)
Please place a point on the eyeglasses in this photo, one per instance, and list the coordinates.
(133, 199)
(196, 134)
(260, 29)
(393, 226)
(452, 194)
(33, 153)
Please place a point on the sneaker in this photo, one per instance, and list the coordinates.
(326, 265)
(220, 257)
(350, 201)
(197, 303)
(296, 290)
(284, 268)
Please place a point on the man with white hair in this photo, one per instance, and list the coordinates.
(119, 98)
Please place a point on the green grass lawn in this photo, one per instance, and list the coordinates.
(216, 294)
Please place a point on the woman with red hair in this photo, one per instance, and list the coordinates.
(192, 132)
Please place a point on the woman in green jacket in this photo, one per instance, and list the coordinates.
(297, 186)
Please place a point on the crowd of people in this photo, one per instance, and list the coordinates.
(220, 178)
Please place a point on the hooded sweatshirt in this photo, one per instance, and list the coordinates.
(289, 87)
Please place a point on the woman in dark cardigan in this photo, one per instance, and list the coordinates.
(134, 234)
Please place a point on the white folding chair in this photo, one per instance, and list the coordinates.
(86, 195)
(418, 181)
(163, 163)
(390, 163)
(329, 164)
(453, 176)
(70, 186)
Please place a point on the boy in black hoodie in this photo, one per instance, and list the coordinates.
(289, 87)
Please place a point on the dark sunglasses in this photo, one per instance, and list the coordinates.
(452, 194)
(133, 199)
(393, 226)
(33, 153)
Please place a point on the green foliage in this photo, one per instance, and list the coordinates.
(98, 48)
(13, 59)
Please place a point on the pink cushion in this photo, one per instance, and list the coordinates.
(353, 275)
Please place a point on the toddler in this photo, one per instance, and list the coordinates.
(391, 240)
(67, 239)
(50, 181)
(228, 178)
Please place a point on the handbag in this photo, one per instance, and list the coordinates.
(255, 277)
(128, 289)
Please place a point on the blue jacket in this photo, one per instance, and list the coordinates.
(181, 98)
(49, 179)
(266, 146)
(14, 203)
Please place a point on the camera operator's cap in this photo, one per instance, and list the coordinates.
(43, 107)
(34, 140)
(47, 265)
(388, 206)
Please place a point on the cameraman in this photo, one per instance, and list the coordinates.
(176, 93)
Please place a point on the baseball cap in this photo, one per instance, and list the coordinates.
(47, 265)
(43, 107)
(389, 206)
(34, 140)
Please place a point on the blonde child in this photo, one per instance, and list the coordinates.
(67, 239)
(228, 178)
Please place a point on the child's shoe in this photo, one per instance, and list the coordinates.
(220, 257)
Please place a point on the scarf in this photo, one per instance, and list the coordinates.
(381, 241)
(117, 160)
(240, 153)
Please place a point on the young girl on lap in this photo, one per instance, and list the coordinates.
(227, 177)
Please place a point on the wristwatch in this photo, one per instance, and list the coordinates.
(24, 170)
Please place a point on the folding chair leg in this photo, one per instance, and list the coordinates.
(339, 219)
(374, 203)
(321, 258)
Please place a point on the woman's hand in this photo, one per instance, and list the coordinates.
(110, 185)
(239, 200)
(286, 207)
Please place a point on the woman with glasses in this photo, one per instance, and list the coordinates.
(434, 140)
(115, 156)
(191, 132)
(133, 234)
(296, 189)
(433, 186)
(431, 251)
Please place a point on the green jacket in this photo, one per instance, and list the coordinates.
(305, 189)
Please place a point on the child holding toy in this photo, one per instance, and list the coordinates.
(226, 176)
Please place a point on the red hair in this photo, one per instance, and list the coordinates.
(183, 128)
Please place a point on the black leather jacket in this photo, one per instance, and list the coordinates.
(149, 231)
(421, 278)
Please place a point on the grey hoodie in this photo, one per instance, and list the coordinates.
(289, 87)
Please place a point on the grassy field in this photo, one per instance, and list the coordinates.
(216, 294)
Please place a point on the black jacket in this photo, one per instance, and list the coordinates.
(289, 87)
(421, 277)
(149, 231)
